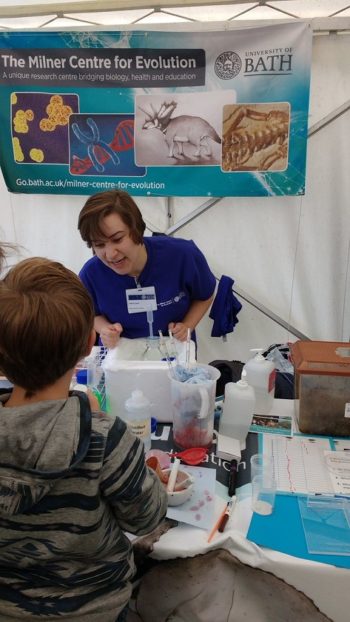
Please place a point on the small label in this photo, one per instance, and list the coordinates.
(141, 428)
(272, 381)
(347, 410)
(141, 299)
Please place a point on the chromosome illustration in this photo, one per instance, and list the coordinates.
(102, 144)
(94, 145)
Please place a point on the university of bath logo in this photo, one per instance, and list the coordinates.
(227, 65)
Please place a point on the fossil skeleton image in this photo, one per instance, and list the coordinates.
(255, 140)
(180, 130)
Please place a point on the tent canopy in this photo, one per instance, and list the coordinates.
(82, 13)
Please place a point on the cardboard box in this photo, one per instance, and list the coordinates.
(322, 386)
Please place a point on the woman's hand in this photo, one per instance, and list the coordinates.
(194, 314)
(110, 335)
(179, 330)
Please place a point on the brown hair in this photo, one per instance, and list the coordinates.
(5, 249)
(2, 254)
(100, 205)
(46, 318)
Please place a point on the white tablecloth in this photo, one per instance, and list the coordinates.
(326, 585)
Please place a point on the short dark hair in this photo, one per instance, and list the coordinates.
(46, 318)
(100, 205)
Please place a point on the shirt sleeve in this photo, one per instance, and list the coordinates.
(202, 280)
(135, 493)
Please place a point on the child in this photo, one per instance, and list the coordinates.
(71, 481)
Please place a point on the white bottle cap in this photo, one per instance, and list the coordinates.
(258, 356)
(137, 400)
(242, 383)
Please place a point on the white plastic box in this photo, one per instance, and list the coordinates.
(123, 376)
(151, 377)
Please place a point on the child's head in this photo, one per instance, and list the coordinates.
(46, 321)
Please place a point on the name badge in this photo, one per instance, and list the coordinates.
(141, 299)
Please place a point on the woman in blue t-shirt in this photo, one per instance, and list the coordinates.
(130, 274)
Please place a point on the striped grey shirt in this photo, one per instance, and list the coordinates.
(71, 484)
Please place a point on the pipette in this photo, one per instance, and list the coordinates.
(163, 346)
(173, 348)
(188, 346)
(173, 475)
(150, 322)
(152, 351)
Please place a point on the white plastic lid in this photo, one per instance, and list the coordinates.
(258, 357)
(242, 383)
(137, 400)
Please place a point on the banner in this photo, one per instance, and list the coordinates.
(156, 113)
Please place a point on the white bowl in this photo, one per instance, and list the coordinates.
(180, 496)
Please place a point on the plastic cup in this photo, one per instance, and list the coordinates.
(193, 407)
(261, 464)
(263, 494)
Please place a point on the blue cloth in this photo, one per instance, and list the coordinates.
(175, 267)
(283, 531)
(194, 375)
(224, 309)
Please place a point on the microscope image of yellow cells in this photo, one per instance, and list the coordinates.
(18, 153)
(20, 121)
(41, 121)
(37, 155)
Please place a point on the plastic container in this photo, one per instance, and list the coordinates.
(238, 409)
(138, 417)
(322, 386)
(124, 371)
(193, 407)
(261, 374)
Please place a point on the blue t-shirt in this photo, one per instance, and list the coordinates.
(176, 268)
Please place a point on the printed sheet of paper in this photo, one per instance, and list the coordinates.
(199, 509)
(338, 464)
(272, 424)
(299, 463)
(341, 444)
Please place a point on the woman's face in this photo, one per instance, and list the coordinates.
(117, 250)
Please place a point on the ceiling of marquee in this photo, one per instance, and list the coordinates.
(22, 14)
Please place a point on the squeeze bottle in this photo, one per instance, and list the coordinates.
(138, 417)
(238, 409)
(261, 374)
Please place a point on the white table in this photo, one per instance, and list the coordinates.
(327, 586)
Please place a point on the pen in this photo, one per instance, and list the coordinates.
(215, 528)
(232, 478)
(227, 515)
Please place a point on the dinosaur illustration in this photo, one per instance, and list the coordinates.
(181, 130)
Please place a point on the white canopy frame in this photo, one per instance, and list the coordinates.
(336, 22)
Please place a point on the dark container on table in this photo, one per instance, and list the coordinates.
(322, 386)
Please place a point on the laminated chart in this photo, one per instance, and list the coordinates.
(299, 463)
